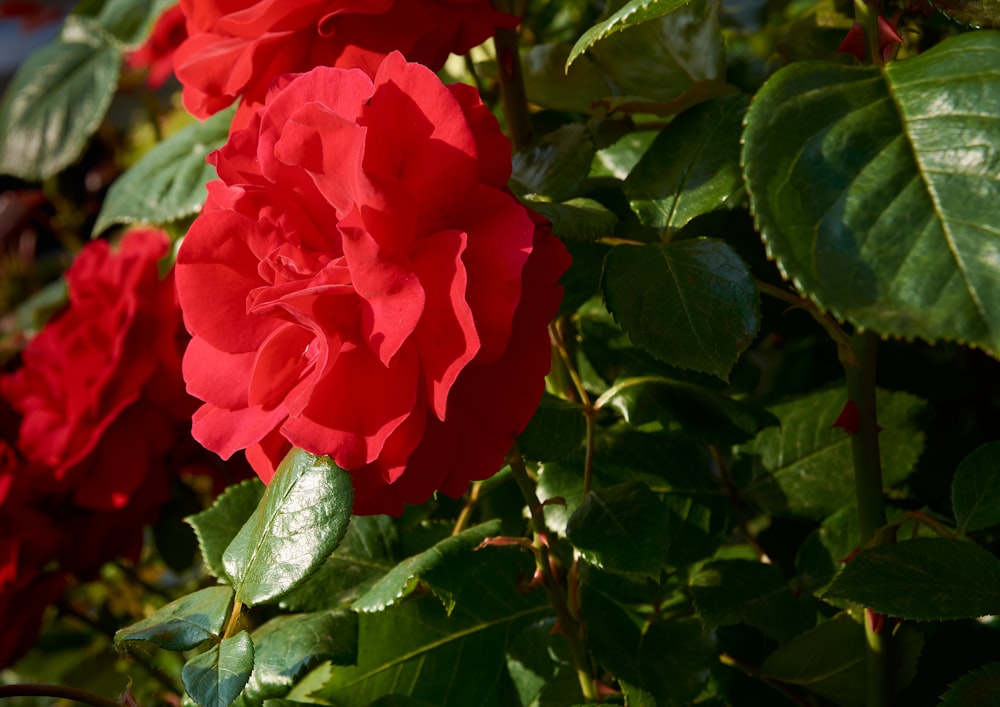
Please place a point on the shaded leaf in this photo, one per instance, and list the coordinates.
(301, 518)
(690, 303)
(728, 592)
(555, 431)
(128, 21)
(540, 666)
(973, 13)
(168, 183)
(216, 678)
(184, 623)
(980, 688)
(440, 567)
(692, 167)
(622, 529)
(808, 464)
(874, 188)
(676, 659)
(414, 648)
(975, 490)
(556, 166)
(216, 526)
(632, 13)
(288, 646)
(54, 103)
(924, 579)
(576, 219)
(661, 403)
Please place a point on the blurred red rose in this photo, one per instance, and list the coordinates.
(237, 47)
(98, 387)
(157, 53)
(361, 284)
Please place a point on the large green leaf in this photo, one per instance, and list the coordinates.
(576, 219)
(168, 183)
(288, 646)
(216, 678)
(632, 13)
(367, 552)
(439, 567)
(184, 623)
(415, 649)
(622, 529)
(556, 166)
(692, 167)
(300, 520)
(806, 467)
(980, 688)
(743, 591)
(55, 103)
(691, 303)
(555, 431)
(127, 21)
(975, 491)
(876, 191)
(216, 526)
(924, 579)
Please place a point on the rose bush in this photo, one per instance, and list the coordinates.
(361, 284)
(237, 47)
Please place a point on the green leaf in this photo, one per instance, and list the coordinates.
(301, 518)
(975, 490)
(655, 61)
(980, 688)
(632, 13)
(654, 403)
(216, 678)
(54, 104)
(555, 431)
(576, 219)
(414, 648)
(439, 567)
(692, 167)
(540, 666)
(924, 579)
(828, 660)
(556, 166)
(367, 552)
(622, 529)
(728, 592)
(184, 623)
(875, 189)
(676, 659)
(216, 526)
(690, 303)
(806, 465)
(168, 183)
(128, 21)
(973, 13)
(286, 647)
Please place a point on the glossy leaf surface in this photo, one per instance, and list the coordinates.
(184, 623)
(632, 13)
(216, 678)
(874, 191)
(301, 518)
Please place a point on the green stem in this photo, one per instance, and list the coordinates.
(860, 375)
(515, 100)
(571, 628)
(867, 15)
(59, 692)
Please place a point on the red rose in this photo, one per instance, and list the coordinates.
(157, 53)
(99, 390)
(237, 47)
(361, 284)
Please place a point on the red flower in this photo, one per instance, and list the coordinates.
(237, 47)
(99, 389)
(361, 284)
(158, 51)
